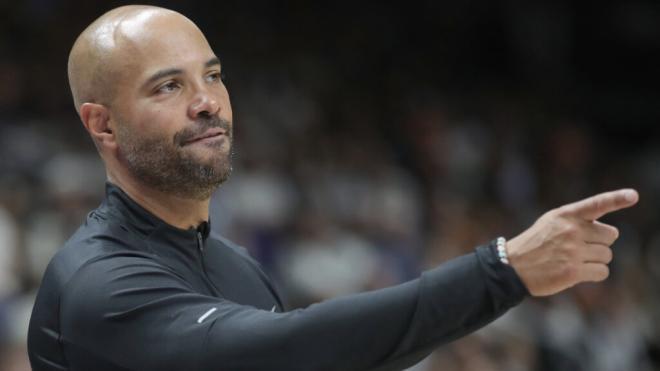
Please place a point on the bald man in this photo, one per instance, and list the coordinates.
(142, 285)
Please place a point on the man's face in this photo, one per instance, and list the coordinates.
(174, 119)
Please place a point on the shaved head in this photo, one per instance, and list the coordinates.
(101, 54)
(148, 89)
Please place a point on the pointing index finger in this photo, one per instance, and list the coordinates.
(596, 206)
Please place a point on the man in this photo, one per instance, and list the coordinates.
(143, 286)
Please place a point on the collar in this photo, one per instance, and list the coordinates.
(118, 203)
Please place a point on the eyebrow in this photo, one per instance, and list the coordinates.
(177, 71)
(212, 62)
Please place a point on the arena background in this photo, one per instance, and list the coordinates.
(374, 141)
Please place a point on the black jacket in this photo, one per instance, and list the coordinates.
(130, 292)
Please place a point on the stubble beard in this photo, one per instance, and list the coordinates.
(164, 164)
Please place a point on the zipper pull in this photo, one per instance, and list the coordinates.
(200, 243)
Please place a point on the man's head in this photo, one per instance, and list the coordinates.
(147, 87)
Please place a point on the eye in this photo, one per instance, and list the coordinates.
(168, 87)
(216, 77)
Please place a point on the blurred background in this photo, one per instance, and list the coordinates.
(374, 141)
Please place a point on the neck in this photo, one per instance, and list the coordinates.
(179, 212)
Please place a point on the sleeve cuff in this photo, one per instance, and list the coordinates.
(503, 282)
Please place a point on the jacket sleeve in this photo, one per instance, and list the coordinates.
(130, 312)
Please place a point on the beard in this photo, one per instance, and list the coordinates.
(165, 165)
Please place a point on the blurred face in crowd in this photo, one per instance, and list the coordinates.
(170, 107)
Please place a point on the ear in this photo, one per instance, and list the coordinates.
(96, 119)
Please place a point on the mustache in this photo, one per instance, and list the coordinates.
(202, 125)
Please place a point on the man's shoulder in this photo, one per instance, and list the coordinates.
(94, 240)
(98, 246)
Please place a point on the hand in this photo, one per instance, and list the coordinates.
(568, 245)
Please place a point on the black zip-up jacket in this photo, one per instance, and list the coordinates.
(130, 292)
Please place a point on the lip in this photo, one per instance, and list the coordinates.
(210, 133)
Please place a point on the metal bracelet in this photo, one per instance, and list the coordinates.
(501, 250)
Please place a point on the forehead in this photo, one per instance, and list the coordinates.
(148, 43)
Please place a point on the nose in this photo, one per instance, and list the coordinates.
(203, 104)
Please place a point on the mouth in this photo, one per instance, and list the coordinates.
(209, 134)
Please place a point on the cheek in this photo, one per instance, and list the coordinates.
(226, 103)
(228, 114)
(149, 120)
(161, 122)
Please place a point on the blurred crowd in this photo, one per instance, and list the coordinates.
(371, 144)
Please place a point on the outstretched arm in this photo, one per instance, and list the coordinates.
(132, 313)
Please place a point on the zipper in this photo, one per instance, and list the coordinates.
(200, 247)
(200, 244)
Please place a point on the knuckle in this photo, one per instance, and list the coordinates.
(604, 273)
(615, 233)
(549, 215)
(608, 255)
(599, 202)
(570, 230)
(557, 212)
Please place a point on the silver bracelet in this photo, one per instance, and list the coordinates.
(501, 250)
